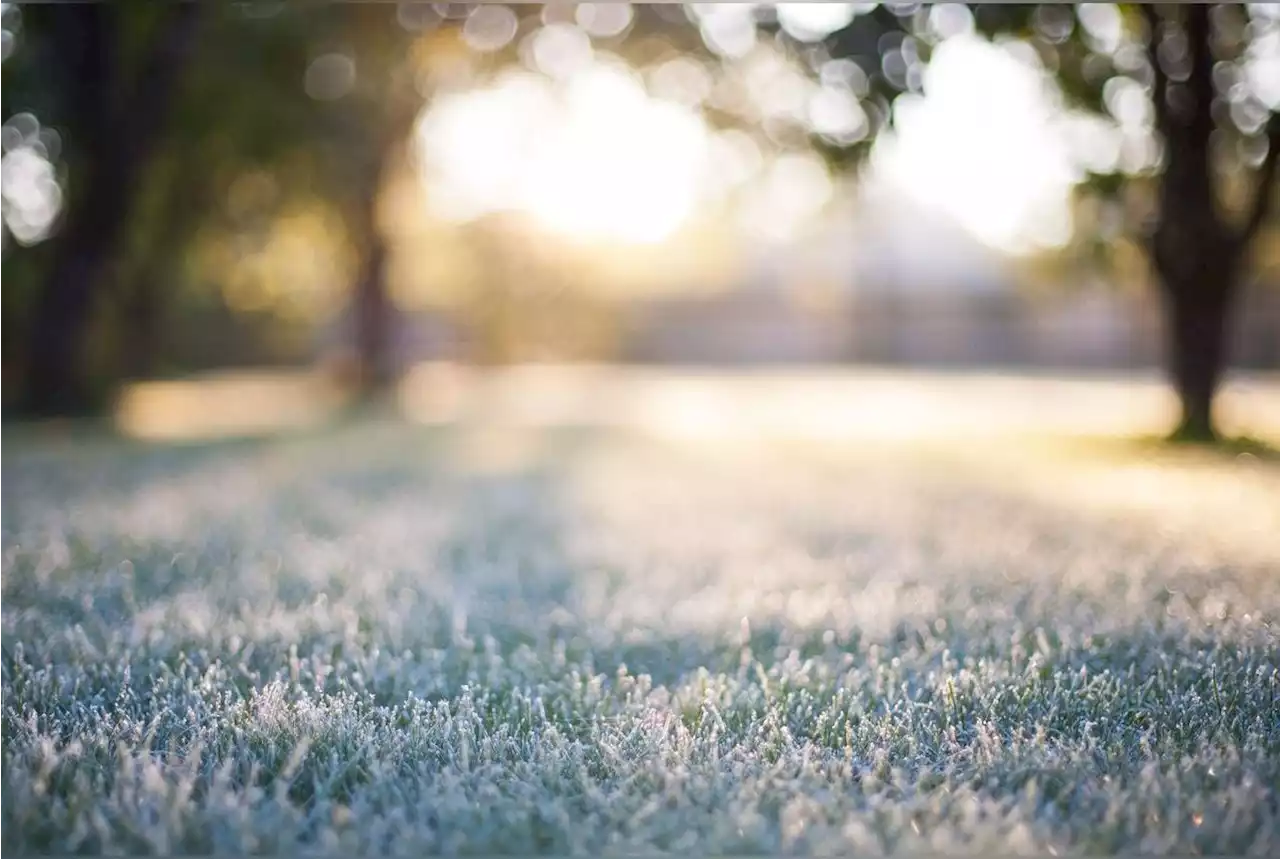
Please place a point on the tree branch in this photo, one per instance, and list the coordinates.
(1199, 39)
(1160, 92)
(148, 104)
(1264, 195)
(1160, 102)
(173, 48)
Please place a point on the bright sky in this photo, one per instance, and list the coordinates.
(588, 151)
(591, 154)
(596, 158)
(981, 147)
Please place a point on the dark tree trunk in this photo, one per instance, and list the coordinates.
(142, 328)
(151, 274)
(1196, 252)
(1198, 263)
(1196, 320)
(55, 381)
(373, 314)
(119, 132)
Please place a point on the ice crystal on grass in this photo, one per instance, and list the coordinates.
(629, 646)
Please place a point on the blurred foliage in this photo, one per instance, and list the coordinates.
(236, 111)
(1095, 53)
(292, 122)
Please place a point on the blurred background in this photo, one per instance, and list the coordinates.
(225, 217)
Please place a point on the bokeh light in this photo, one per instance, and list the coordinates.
(559, 50)
(603, 20)
(728, 29)
(596, 150)
(1262, 64)
(593, 157)
(1103, 24)
(949, 19)
(794, 188)
(982, 144)
(490, 27)
(330, 77)
(681, 79)
(507, 169)
(813, 22)
(293, 260)
(32, 197)
(10, 27)
(836, 113)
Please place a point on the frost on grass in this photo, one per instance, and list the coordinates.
(363, 642)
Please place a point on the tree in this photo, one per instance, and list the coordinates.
(199, 114)
(112, 71)
(365, 130)
(1191, 61)
(333, 87)
(1198, 252)
(368, 127)
(230, 119)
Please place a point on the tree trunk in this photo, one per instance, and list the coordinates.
(1195, 252)
(120, 136)
(152, 273)
(55, 384)
(1197, 319)
(372, 312)
(142, 328)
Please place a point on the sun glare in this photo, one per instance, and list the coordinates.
(592, 157)
(981, 146)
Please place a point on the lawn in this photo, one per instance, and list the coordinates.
(384, 637)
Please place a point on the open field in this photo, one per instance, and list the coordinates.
(488, 633)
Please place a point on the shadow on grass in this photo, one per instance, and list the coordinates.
(62, 439)
(1239, 449)
(57, 435)
(1234, 447)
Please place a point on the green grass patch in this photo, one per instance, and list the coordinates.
(355, 642)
